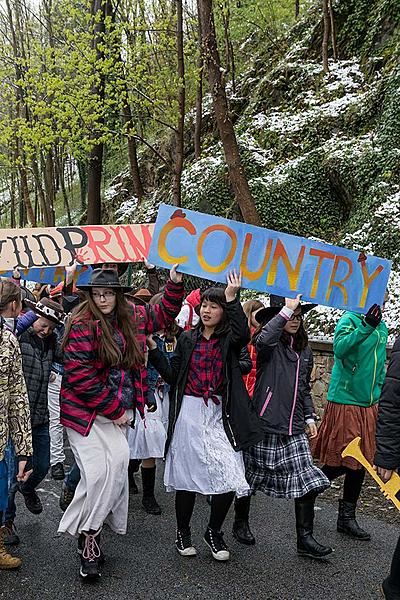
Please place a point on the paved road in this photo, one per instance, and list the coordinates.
(144, 563)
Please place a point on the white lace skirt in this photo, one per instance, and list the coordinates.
(147, 439)
(201, 458)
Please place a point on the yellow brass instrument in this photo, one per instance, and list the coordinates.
(389, 489)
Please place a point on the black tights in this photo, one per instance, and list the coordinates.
(184, 505)
(352, 482)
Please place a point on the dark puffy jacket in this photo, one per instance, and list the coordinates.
(37, 357)
(282, 393)
(241, 424)
(388, 427)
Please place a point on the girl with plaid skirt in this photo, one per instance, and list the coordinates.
(210, 419)
(281, 465)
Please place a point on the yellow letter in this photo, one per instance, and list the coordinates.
(219, 268)
(293, 273)
(162, 238)
(339, 284)
(253, 275)
(368, 279)
(321, 254)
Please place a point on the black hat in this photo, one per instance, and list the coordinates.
(104, 278)
(49, 309)
(276, 304)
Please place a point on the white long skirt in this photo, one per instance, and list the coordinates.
(201, 458)
(102, 493)
(147, 439)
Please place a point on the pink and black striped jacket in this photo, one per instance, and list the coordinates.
(84, 390)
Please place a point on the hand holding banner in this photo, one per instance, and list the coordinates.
(278, 263)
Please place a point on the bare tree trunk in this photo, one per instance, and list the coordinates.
(61, 179)
(25, 195)
(297, 8)
(237, 175)
(95, 166)
(50, 188)
(333, 30)
(199, 92)
(229, 57)
(13, 199)
(325, 39)
(132, 153)
(40, 194)
(179, 136)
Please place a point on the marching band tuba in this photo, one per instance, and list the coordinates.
(389, 489)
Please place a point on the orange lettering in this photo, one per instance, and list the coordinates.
(322, 254)
(293, 273)
(253, 275)
(339, 284)
(368, 279)
(232, 251)
(96, 245)
(162, 238)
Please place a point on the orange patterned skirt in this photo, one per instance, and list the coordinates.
(341, 423)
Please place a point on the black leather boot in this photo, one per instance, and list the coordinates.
(347, 523)
(306, 544)
(241, 529)
(149, 502)
(388, 592)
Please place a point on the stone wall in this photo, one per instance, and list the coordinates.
(323, 363)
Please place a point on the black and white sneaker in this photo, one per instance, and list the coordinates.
(183, 543)
(90, 555)
(215, 541)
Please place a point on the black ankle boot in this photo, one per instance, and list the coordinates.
(347, 523)
(307, 545)
(149, 502)
(388, 592)
(241, 529)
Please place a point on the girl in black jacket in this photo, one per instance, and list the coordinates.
(210, 415)
(281, 464)
(387, 458)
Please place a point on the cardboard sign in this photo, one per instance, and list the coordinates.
(58, 246)
(52, 275)
(278, 263)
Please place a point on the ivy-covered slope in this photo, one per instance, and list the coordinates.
(321, 151)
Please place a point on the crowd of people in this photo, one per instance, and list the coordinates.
(218, 389)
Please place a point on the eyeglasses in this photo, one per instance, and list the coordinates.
(107, 295)
(296, 318)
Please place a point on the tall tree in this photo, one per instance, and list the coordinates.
(326, 34)
(237, 175)
(179, 135)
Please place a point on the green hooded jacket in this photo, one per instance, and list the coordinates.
(359, 367)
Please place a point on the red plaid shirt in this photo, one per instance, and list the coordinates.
(205, 377)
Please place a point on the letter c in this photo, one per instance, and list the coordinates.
(162, 238)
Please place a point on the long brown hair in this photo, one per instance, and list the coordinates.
(109, 352)
(249, 307)
(9, 292)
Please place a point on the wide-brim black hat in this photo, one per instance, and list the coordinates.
(104, 278)
(277, 303)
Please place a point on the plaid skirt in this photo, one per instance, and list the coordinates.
(281, 466)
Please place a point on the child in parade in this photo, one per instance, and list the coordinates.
(280, 465)
(359, 348)
(14, 408)
(104, 381)
(211, 419)
(387, 457)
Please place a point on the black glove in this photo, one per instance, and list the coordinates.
(374, 315)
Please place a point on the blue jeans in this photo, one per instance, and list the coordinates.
(41, 464)
(73, 477)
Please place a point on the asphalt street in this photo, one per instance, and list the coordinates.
(145, 564)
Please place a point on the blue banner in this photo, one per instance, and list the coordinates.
(209, 247)
(52, 275)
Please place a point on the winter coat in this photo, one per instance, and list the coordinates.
(37, 357)
(84, 389)
(388, 427)
(359, 368)
(14, 405)
(282, 392)
(240, 422)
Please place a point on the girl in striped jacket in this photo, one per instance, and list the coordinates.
(104, 381)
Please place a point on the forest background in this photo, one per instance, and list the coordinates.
(281, 113)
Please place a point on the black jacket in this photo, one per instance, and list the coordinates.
(241, 424)
(37, 356)
(282, 393)
(388, 427)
